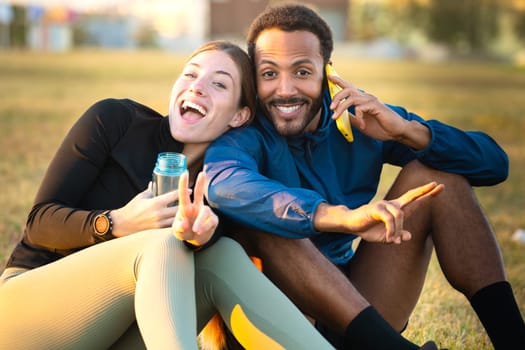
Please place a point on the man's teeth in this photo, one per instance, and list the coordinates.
(288, 109)
(187, 104)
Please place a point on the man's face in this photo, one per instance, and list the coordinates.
(289, 72)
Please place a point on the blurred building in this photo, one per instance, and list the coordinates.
(107, 31)
(49, 29)
(6, 16)
(175, 25)
(391, 28)
(231, 18)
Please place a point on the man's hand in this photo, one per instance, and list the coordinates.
(195, 222)
(380, 221)
(390, 229)
(375, 119)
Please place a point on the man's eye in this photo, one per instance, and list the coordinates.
(303, 73)
(268, 75)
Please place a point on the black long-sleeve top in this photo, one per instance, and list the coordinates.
(105, 160)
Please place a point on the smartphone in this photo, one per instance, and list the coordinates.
(343, 121)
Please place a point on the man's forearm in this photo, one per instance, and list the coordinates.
(329, 218)
(417, 136)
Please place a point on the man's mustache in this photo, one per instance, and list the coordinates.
(288, 101)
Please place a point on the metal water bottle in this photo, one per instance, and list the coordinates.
(168, 168)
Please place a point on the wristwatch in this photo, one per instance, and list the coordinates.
(103, 227)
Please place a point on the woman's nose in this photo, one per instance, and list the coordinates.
(197, 88)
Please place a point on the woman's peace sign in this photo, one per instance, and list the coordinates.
(194, 222)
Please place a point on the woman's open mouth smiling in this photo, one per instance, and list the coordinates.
(191, 111)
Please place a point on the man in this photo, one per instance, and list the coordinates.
(293, 175)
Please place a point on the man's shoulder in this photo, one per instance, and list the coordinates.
(244, 133)
(244, 139)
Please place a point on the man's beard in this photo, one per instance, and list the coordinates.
(295, 127)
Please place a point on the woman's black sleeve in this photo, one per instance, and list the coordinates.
(56, 220)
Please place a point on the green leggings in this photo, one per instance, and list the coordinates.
(147, 290)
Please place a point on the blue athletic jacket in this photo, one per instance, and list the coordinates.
(272, 183)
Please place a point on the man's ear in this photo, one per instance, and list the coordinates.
(241, 117)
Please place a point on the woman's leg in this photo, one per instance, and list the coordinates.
(86, 300)
(259, 315)
(131, 340)
(165, 295)
(82, 301)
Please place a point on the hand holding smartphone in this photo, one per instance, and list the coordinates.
(343, 121)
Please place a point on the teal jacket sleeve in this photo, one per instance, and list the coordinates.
(472, 154)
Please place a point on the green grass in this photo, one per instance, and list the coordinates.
(41, 95)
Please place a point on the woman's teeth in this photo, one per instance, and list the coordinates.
(190, 105)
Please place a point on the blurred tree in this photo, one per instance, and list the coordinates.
(80, 36)
(468, 26)
(147, 37)
(519, 25)
(489, 28)
(18, 27)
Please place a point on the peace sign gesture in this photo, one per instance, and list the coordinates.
(389, 215)
(194, 222)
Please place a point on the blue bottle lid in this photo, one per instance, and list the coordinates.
(170, 163)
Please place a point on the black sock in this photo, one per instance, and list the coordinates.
(498, 311)
(370, 331)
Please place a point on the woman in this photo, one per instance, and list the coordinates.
(100, 255)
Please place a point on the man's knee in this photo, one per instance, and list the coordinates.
(416, 174)
(457, 198)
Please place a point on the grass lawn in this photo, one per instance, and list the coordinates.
(42, 94)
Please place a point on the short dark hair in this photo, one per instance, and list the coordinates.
(289, 18)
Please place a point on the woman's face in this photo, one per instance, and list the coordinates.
(205, 98)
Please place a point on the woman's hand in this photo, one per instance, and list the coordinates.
(145, 212)
(195, 222)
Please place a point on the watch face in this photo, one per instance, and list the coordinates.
(101, 224)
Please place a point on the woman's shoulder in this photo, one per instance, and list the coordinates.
(118, 106)
(114, 112)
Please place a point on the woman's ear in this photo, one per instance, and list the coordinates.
(240, 118)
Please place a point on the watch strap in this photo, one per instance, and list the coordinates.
(103, 227)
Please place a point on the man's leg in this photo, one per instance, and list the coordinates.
(306, 276)
(471, 261)
(466, 249)
(322, 291)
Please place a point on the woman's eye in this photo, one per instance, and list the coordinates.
(220, 85)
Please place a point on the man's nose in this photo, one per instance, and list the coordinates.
(286, 86)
